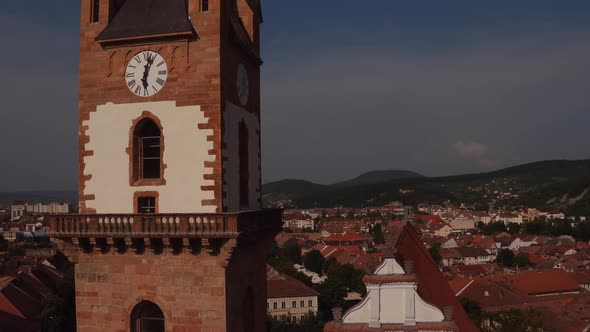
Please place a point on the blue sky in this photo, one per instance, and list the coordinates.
(437, 87)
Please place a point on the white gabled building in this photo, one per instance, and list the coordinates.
(392, 304)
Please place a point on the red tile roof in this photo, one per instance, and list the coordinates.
(457, 284)
(288, 287)
(432, 285)
(542, 282)
(347, 238)
(7, 307)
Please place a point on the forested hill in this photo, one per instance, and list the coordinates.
(555, 184)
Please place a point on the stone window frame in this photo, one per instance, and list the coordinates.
(94, 11)
(139, 194)
(134, 179)
(204, 6)
(135, 314)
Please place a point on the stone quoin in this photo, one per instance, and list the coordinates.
(171, 235)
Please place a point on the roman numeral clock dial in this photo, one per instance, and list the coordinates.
(146, 74)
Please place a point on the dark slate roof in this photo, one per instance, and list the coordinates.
(145, 18)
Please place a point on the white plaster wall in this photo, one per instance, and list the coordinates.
(426, 312)
(358, 314)
(389, 266)
(393, 304)
(185, 151)
(233, 115)
(289, 310)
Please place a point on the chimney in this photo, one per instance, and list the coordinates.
(409, 267)
(448, 312)
(337, 313)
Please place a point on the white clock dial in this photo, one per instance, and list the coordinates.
(146, 74)
(242, 84)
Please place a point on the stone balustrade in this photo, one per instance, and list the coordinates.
(224, 225)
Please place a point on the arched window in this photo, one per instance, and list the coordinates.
(244, 165)
(147, 150)
(147, 317)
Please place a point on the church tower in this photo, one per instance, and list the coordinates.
(170, 235)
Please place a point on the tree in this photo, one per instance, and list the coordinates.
(314, 261)
(378, 236)
(473, 309)
(506, 257)
(493, 228)
(309, 323)
(328, 264)
(582, 231)
(514, 228)
(59, 309)
(292, 251)
(342, 279)
(435, 252)
(512, 321)
(278, 259)
(521, 260)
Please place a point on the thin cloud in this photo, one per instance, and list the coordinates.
(474, 152)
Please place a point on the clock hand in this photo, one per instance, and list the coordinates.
(146, 72)
(145, 77)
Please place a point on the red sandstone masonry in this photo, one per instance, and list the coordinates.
(194, 79)
(197, 292)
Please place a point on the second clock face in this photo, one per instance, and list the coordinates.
(242, 84)
(146, 74)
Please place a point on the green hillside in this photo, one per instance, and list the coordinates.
(377, 177)
(556, 184)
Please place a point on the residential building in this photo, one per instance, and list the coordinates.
(555, 215)
(300, 221)
(17, 210)
(287, 296)
(465, 256)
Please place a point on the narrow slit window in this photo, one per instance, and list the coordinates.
(95, 14)
(243, 155)
(204, 5)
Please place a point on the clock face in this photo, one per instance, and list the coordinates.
(146, 74)
(243, 85)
